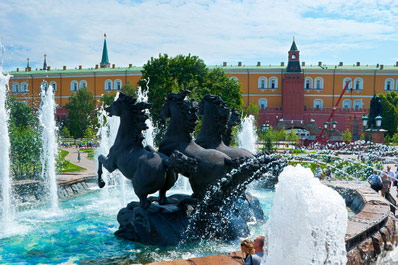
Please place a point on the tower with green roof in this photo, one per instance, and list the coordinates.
(105, 59)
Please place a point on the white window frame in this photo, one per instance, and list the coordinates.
(320, 80)
(262, 82)
(234, 78)
(360, 80)
(358, 103)
(74, 86)
(309, 81)
(262, 103)
(319, 102)
(271, 80)
(115, 84)
(347, 104)
(24, 87)
(82, 83)
(15, 87)
(345, 81)
(389, 84)
(108, 85)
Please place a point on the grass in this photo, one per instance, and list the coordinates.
(64, 166)
(90, 153)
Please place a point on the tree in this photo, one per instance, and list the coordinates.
(167, 74)
(81, 115)
(107, 99)
(347, 136)
(390, 112)
(24, 139)
(129, 89)
(251, 109)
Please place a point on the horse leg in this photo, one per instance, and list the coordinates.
(103, 161)
(171, 178)
(144, 202)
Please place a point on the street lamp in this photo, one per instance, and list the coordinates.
(264, 129)
(365, 121)
(327, 126)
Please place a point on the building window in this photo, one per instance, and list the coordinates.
(347, 104)
(24, 87)
(358, 83)
(262, 82)
(319, 83)
(118, 84)
(74, 85)
(273, 82)
(108, 85)
(53, 84)
(389, 84)
(318, 104)
(15, 87)
(308, 83)
(234, 78)
(83, 83)
(262, 103)
(357, 104)
(396, 85)
(44, 86)
(345, 81)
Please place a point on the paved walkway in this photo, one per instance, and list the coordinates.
(89, 165)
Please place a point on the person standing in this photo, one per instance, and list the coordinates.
(328, 173)
(386, 184)
(318, 171)
(78, 156)
(247, 249)
(258, 245)
(375, 181)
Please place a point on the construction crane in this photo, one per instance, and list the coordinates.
(323, 140)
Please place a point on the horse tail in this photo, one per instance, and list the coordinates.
(181, 163)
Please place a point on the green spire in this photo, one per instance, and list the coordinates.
(105, 60)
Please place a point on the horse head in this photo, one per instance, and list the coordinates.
(121, 104)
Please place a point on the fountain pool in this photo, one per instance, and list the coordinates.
(82, 231)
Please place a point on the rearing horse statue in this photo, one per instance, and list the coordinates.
(216, 117)
(148, 170)
(211, 164)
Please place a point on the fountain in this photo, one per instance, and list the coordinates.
(247, 136)
(7, 208)
(49, 143)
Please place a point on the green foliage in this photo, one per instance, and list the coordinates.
(390, 111)
(393, 139)
(347, 136)
(25, 141)
(292, 136)
(89, 133)
(107, 99)
(81, 115)
(251, 109)
(64, 165)
(129, 89)
(65, 132)
(362, 137)
(173, 74)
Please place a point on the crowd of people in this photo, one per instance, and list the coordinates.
(252, 251)
(327, 174)
(384, 180)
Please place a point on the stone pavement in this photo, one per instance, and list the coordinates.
(89, 165)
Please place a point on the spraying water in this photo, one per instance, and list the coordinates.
(307, 222)
(247, 136)
(7, 209)
(50, 145)
(149, 134)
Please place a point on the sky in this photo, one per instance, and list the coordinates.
(71, 32)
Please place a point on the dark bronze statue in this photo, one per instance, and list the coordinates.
(211, 164)
(234, 119)
(376, 109)
(148, 170)
(216, 118)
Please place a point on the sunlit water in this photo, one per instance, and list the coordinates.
(84, 231)
(247, 136)
(49, 143)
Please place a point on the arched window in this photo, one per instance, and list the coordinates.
(318, 103)
(117, 84)
(262, 82)
(262, 103)
(15, 87)
(74, 85)
(53, 84)
(108, 85)
(44, 86)
(389, 84)
(24, 87)
(357, 104)
(308, 83)
(345, 81)
(234, 78)
(82, 83)
(358, 84)
(273, 82)
(318, 83)
(347, 104)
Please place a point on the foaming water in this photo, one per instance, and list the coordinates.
(49, 143)
(149, 134)
(307, 221)
(247, 136)
(7, 207)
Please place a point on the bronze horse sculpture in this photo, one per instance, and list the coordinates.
(148, 170)
(211, 165)
(215, 123)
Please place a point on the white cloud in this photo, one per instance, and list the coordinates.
(70, 32)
